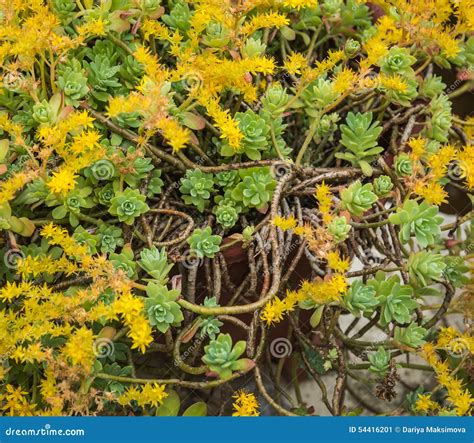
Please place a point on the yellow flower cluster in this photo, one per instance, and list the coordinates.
(458, 396)
(319, 291)
(245, 404)
(264, 20)
(324, 291)
(228, 127)
(324, 197)
(79, 348)
(13, 402)
(285, 223)
(275, 309)
(429, 185)
(151, 394)
(131, 309)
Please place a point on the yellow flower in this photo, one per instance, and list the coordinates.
(300, 4)
(324, 197)
(151, 394)
(285, 224)
(344, 80)
(432, 192)
(336, 263)
(295, 63)
(273, 311)
(266, 20)
(140, 333)
(79, 348)
(417, 146)
(177, 136)
(63, 181)
(393, 82)
(245, 404)
(462, 402)
(94, 27)
(425, 404)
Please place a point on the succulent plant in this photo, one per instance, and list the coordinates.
(129, 119)
(432, 86)
(253, 47)
(161, 307)
(319, 94)
(131, 71)
(256, 188)
(179, 17)
(216, 35)
(72, 204)
(379, 361)
(85, 238)
(110, 237)
(140, 168)
(358, 198)
(151, 8)
(223, 358)
(397, 61)
(102, 77)
(456, 271)
(226, 215)
(441, 118)
(64, 9)
(351, 48)
(155, 262)
(74, 83)
(412, 336)
(422, 221)
(403, 97)
(383, 185)
(396, 300)
(255, 130)
(128, 205)
(226, 179)
(155, 184)
(360, 299)
(105, 194)
(339, 229)
(210, 325)
(403, 165)
(275, 100)
(359, 136)
(43, 112)
(125, 262)
(196, 188)
(425, 267)
(203, 243)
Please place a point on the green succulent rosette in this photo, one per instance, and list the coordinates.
(161, 307)
(358, 198)
(222, 357)
(128, 205)
(419, 220)
(203, 243)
